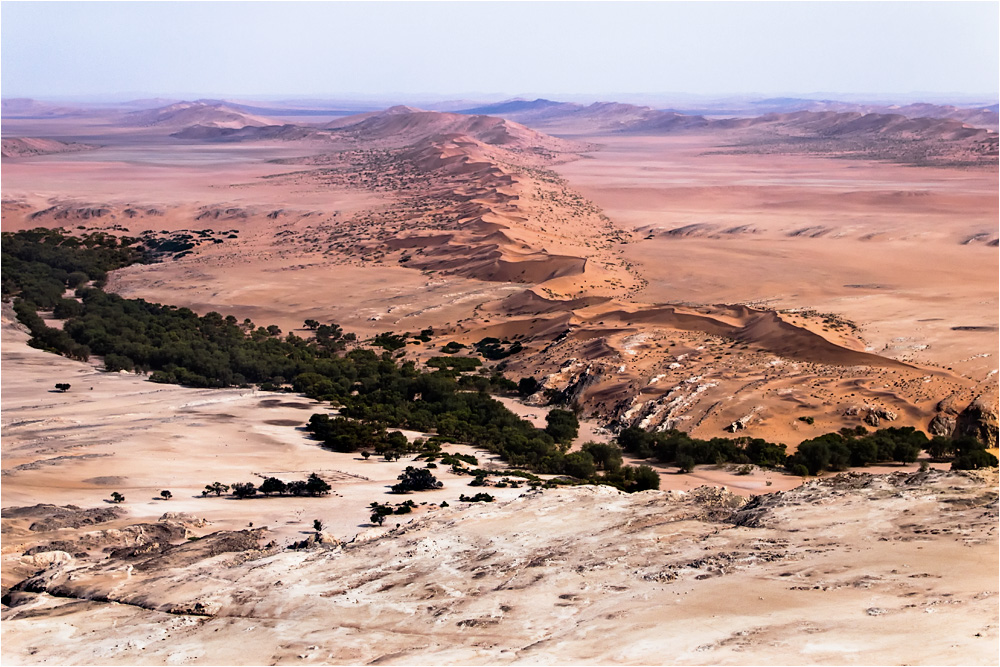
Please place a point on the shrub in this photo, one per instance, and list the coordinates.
(478, 498)
(974, 460)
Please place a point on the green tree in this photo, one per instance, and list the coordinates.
(527, 386)
(562, 425)
(579, 465)
(244, 489)
(416, 479)
(642, 478)
(606, 456)
(272, 485)
(974, 460)
(217, 488)
(316, 485)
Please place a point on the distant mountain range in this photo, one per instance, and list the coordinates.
(629, 117)
(915, 133)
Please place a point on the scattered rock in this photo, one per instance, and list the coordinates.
(317, 540)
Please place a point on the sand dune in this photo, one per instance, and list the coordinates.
(185, 114)
(405, 125)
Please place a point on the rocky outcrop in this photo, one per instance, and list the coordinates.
(942, 425)
(980, 420)
(54, 517)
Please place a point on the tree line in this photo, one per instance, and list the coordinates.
(374, 392)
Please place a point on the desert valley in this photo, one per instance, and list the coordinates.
(705, 291)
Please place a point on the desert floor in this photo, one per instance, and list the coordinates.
(887, 246)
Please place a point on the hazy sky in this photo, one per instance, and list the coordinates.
(316, 49)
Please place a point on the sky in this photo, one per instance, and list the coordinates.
(53, 50)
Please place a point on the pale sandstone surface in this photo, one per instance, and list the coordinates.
(583, 575)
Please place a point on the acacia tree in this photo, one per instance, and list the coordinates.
(316, 485)
(244, 489)
(117, 497)
(416, 479)
(272, 485)
(218, 488)
(166, 495)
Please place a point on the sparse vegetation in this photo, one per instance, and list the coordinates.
(829, 452)
(478, 498)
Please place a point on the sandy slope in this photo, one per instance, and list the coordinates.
(21, 147)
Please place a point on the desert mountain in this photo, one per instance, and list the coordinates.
(982, 116)
(186, 114)
(285, 132)
(924, 122)
(519, 108)
(597, 117)
(858, 124)
(29, 147)
(23, 107)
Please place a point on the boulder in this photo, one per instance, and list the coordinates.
(942, 424)
(980, 420)
(886, 414)
(46, 558)
(185, 519)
